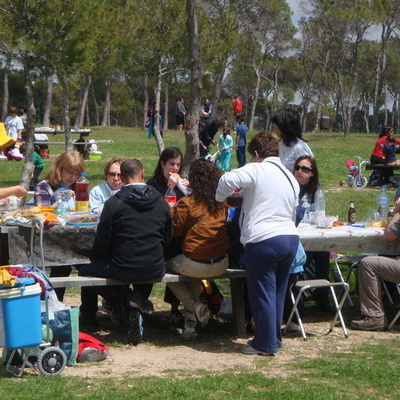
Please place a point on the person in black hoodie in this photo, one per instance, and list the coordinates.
(134, 229)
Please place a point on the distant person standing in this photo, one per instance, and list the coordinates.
(237, 107)
(14, 124)
(241, 141)
(225, 148)
(180, 114)
(38, 164)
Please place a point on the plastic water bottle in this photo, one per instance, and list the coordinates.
(319, 202)
(170, 195)
(82, 195)
(306, 205)
(62, 198)
(383, 203)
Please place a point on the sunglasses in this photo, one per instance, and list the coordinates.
(113, 175)
(303, 169)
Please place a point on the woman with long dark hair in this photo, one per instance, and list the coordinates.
(288, 128)
(201, 220)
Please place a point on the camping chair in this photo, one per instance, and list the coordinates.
(313, 284)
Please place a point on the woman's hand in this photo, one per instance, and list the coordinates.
(174, 178)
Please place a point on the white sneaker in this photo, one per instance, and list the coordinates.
(189, 330)
(202, 314)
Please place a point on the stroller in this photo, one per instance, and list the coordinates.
(356, 178)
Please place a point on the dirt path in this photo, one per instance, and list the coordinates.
(164, 353)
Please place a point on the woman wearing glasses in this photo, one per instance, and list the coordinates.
(306, 174)
(63, 173)
(288, 128)
(100, 193)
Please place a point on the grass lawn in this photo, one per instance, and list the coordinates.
(369, 371)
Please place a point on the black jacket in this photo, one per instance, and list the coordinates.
(134, 229)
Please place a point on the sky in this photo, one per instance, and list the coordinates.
(297, 13)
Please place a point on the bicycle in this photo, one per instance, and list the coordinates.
(356, 178)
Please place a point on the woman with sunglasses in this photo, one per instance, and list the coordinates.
(288, 128)
(100, 193)
(306, 174)
(63, 173)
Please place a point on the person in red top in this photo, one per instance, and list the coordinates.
(377, 157)
(237, 106)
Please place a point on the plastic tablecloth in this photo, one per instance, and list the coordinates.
(347, 239)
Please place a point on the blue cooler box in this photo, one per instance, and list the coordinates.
(20, 319)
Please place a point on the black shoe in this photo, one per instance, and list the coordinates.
(137, 301)
(135, 332)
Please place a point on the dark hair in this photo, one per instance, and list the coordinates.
(166, 154)
(107, 167)
(131, 168)
(386, 130)
(389, 139)
(314, 179)
(24, 108)
(204, 177)
(12, 110)
(264, 144)
(288, 122)
(22, 149)
(226, 130)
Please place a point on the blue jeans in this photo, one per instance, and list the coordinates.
(267, 267)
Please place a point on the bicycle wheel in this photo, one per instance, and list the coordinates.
(350, 181)
(360, 182)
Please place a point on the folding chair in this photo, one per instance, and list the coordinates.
(313, 284)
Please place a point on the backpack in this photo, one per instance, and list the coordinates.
(91, 349)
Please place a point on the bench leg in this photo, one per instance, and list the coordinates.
(238, 318)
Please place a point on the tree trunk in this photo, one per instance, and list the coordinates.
(107, 104)
(255, 99)
(166, 105)
(67, 123)
(6, 93)
(48, 101)
(321, 91)
(156, 125)
(218, 78)
(28, 168)
(146, 100)
(193, 115)
(96, 108)
(83, 100)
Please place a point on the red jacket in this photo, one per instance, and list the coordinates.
(237, 106)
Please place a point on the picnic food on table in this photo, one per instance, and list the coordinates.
(48, 217)
(339, 223)
(377, 224)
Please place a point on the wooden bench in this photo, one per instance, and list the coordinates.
(235, 276)
(381, 166)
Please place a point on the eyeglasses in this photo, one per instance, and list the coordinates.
(113, 175)
(303, 169)
(72, 173)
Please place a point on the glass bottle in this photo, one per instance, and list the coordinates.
(351, 213)
(390, 213)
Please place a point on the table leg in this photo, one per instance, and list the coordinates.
(239, 320)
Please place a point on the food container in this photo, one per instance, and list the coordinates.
(82, 218)
(12, 203)
(95, 155)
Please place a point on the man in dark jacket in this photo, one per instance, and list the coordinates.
(134, 229)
